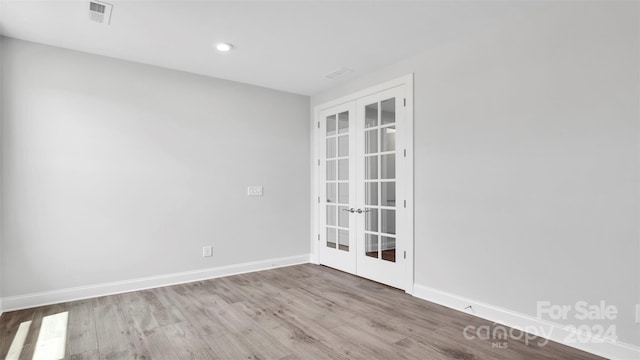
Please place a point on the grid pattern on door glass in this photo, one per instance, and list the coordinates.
(380, 180)
(337, 181)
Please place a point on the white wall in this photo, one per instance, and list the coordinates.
(526, 160)
(1, 111)
(115, 170)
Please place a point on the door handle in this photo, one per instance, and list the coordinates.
(360, 211)
(352, 210)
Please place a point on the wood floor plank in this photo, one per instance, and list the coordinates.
(36, 325)
(157, 342)
(18, 341)
(123, 354)
(51, 343)
(228, 346)
(304, 339)
(89, 355)
(116, 331)
(413, 350)
(162, 310)
(82, 337)
(187, 343)
(135, 305)
(360, 346)
(198, 309)
(291, 357)
(111, 332)
(153, 340)
(297, 312)
(32, 336)
(261, 344)
(9, 324)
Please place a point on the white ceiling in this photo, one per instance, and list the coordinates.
(288, 46)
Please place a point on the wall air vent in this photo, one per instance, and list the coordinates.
(338, 73)
(100, 12)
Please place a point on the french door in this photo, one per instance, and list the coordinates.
(362, 183)
(337, 190)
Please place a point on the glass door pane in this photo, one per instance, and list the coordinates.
(339, 153)
(379, 151)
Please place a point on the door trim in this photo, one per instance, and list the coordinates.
(406, 80)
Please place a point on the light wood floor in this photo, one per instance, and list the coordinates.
(298, 312)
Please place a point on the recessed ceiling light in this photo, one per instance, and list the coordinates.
(224, 47)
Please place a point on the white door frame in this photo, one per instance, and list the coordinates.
(406, 80)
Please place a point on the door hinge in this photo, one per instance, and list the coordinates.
(318, 162)
(405, 152)
(318, 199)
(405, 102)
(318, 124)
(318, 237)
(405, 254)
(405, 203)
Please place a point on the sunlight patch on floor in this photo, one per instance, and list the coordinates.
(52, 337)
(18, 341)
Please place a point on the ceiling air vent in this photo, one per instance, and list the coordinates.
(100, 12)
(338, 73)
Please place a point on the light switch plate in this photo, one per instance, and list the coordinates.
(254, 191)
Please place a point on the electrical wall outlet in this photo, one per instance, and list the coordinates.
(254, 191)
(207, 251)
(637, 313)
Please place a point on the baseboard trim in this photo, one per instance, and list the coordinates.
(85, 292)
(552, 331)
